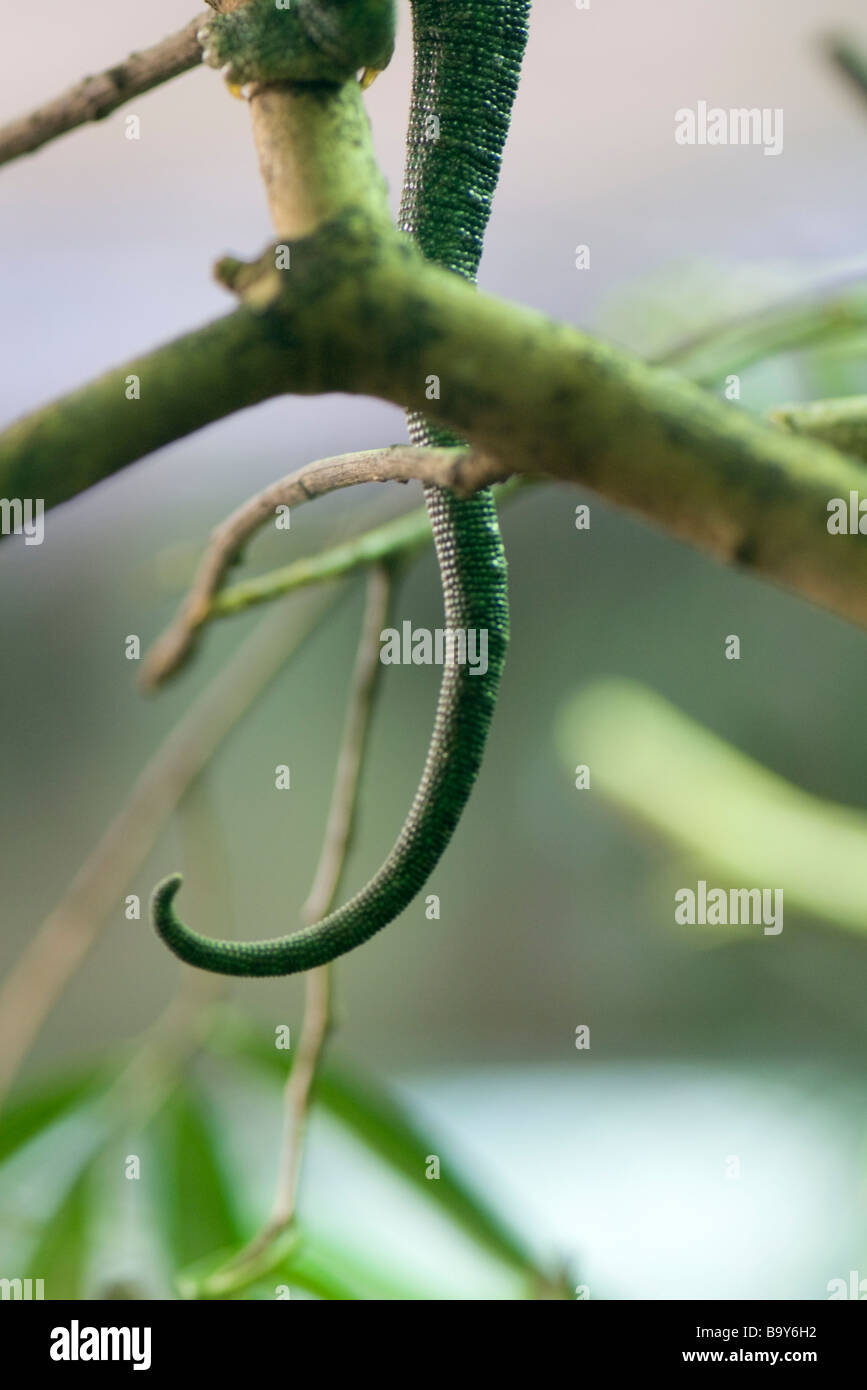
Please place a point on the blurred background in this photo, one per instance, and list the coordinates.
(556, 907)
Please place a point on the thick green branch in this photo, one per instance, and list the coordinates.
(360, 311)
(75, 442)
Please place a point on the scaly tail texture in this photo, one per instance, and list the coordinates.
(467, 64)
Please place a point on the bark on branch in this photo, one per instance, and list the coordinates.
(358, 310)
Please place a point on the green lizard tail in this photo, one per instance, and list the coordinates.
(467, 63)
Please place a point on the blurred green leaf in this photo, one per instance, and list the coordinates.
(384, 1126)
(192, 1194)
(388, 1131)
(60, 1256)
(710, 318)
(22, 1119)
(330, 1272)
(704, 796)
(193, 1203)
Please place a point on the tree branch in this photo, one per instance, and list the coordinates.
(399, 537)
(106, 429)
(396, 539)
(353, 306)
(360, 311)
(455, 468)
(96, 97)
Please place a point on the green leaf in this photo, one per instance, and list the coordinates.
(24, 1118)
(193, 1196)
(330, 1272)
(386, 1128)
(60, 1257)
(389, 1132)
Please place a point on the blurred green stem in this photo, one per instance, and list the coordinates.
(732, 815)
(850, 59)
(813, 319)
(842, 423)
(402, 536)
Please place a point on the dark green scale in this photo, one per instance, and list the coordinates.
(467, 64)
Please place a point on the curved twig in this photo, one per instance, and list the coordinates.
(460, 470)
(326, 883)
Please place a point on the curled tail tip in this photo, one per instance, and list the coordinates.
(162, 898)
(187, 945)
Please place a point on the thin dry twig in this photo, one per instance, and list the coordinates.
(57, 949)
(461, 469)
(96, 97)
(317, 1020)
